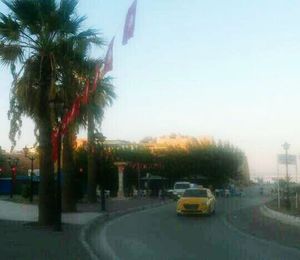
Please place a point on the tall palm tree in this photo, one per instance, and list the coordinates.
(32, 35)
(103, 97)
(91, 117)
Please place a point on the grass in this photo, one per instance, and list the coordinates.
(273, 204)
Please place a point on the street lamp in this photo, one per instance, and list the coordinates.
(57, 105)
(31, 157)
(286, 146)
(99, 139)
(13, 163)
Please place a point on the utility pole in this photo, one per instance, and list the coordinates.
(286, 146)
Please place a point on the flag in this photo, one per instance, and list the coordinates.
(108, 61)
(85, 96)
(54, 142)
(96, 78)
(129, 23)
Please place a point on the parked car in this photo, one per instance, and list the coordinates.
(196, 201)
(180, 187)
(227, 193)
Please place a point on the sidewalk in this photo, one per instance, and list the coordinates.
(20, 239)
(252, 221)
(29, 213)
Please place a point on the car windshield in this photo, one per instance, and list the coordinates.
(195, 193)
(181, 186)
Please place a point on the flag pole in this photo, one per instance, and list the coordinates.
(278, 188)
(296, 170)
(296, 183)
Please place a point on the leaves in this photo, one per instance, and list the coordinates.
(56, 53)
(10, 53)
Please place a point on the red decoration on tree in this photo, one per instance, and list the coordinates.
(85, 96)
(54, 142)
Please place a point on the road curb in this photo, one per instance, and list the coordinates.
(283, 218)
(86, 230)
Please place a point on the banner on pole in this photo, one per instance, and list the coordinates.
(291, 159)
(129, 23)
(108, 61)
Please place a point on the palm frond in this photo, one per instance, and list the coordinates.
(27, 13)
(9, 29)
(67, 8)
(10, 53)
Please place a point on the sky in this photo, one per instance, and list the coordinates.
(226, 69)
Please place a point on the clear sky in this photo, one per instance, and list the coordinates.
(227, 69)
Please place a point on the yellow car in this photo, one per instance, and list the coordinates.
(196, 201)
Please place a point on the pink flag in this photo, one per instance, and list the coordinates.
(108, 61)
(129, 23)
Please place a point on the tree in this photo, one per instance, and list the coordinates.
(94, 112)
(91, 116)
(32, 36)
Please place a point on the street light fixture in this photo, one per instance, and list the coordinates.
(13, 163)
(57, 105)
(31, 157)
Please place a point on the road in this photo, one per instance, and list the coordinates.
(160, 234)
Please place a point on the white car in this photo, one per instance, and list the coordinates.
(180, 187)
(227, 193)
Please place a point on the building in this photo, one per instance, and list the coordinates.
(175, 141)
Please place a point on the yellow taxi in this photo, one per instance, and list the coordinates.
(196, 201)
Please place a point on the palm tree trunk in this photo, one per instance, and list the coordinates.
(92, 182)
(68, 188)
(47, 209)
(46, 187)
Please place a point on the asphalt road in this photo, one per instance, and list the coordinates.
(160, 234)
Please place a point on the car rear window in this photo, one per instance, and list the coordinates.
(195, 193)
(181, 186)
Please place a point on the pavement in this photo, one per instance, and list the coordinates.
(29, 213)
(159, 233)
(22, 238)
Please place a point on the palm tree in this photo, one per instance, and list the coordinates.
(98, 101)
(95, 112)
(32, 36)
(92, 117)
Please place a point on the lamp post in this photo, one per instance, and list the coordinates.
(31, 157)
(1, 161)
(139, 179)
(286, 146)
(57, 105)
(13, 163)
(99, 140)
